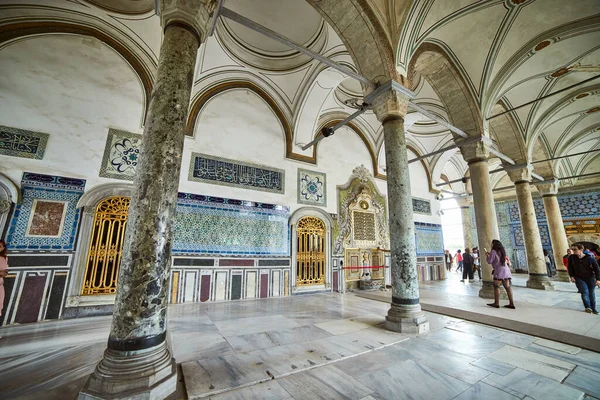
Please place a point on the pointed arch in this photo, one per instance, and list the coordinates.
(203, 97)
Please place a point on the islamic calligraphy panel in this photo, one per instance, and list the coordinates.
(19, 143)
(222, 171)
(121, 155)
(364, 225)
(421, 206)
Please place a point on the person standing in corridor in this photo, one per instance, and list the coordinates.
(585, 273)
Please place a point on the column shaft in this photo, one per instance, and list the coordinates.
(467, 228)
(538, 277)
(137, 359)
(560, 244)
(405, 313)
(485, 219)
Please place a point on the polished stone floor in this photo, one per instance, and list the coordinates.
(327, 346)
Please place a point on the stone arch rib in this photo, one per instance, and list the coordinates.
(23, 29)
(431, 62)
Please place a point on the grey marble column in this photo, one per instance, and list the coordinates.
(538, 277)
(137, 362)
(405, 314)
(558, 236)
(465, 211)
(485, 212)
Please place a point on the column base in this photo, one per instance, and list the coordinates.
(562, 276)
(539, 282)
(487, 291)
(149, 374)
(406, 319)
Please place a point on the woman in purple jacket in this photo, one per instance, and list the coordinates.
(497, 258)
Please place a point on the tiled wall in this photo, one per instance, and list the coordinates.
(214, 225)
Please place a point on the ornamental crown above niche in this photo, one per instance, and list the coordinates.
(362, 173)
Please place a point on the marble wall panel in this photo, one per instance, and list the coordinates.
(190, 286)
(47, 217)
(276, 283)
(251, 284)
(220, 290)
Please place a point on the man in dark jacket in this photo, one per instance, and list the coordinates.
(584, 271)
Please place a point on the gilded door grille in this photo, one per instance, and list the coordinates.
(311, 252)
(106, 246)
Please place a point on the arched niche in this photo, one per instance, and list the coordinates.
(100, 304)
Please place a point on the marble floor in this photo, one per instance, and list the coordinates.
(326, 346)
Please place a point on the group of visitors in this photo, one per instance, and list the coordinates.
(468, 263)
(581, 263)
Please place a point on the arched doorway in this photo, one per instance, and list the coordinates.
(311, 252)
(106, 246)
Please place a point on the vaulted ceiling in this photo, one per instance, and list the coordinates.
(530, 65)
(532, 61)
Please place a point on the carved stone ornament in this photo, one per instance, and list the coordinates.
(362, 173)
(193, 13)
(4, 206)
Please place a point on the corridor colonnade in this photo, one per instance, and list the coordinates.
(137, 361)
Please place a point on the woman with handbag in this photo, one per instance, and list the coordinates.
(497, 258)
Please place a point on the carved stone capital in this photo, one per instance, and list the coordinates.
(519, 173)
(390, 100)
(475, 151)
(194, 14)
(548, 189)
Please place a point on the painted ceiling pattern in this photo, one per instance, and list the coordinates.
(512, 54)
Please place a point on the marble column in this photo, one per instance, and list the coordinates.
(405, 314)
(137, 362)
(558, 236)
(538, 277)
(476, 156)
(465, 211)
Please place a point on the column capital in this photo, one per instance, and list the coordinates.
(389, 100)
(193, 14)
(475, 151)
(519, 172)
(549, 188)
